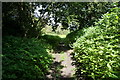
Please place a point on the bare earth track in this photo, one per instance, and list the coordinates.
(62, 66)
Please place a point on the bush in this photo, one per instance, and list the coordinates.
(25, 58)
(97, 51)
(72, 37)
(52, 40)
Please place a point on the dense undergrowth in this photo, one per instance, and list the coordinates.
(97, 51)
(54, 41)
(25, 59)
(72, 37)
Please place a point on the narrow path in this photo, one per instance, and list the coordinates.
(62, 66)
(68, 71)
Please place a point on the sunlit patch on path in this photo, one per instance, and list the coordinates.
(63, 67)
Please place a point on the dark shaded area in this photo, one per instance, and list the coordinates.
(25, 58)
(57, 43)
(52, 40)
(62, 47)
(55, 73)
(55, 70)
(71, 37)
(18, 20)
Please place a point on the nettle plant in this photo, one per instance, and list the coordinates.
(97, 51)
(25, 58)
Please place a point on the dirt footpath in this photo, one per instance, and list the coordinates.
(62, 66)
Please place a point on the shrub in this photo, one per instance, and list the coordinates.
(97, 51)
(72, 37)
(25, 58)
(52, 40)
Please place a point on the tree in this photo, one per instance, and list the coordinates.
(19, 19)
(82, 14)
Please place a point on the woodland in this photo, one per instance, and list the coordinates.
(87, 34)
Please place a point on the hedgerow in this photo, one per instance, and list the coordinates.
(72, 37)
(25, 59)
(97, 51)
(53, 40)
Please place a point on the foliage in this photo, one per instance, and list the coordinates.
(97, 51)
(22, 19)
(52, 40)
(19, 19)
(76, 15)
(85, 15)
(48, 30)
(72, 37)
(25, 58)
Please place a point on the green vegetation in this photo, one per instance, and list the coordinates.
(21, 18)
(72, 37)
(52, 40)
(58, 32)
(33, 30)
(25, 58)
(59, 35)
(96, 52)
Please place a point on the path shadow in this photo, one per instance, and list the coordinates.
(61, 47)
(57, 43)
(56, 73)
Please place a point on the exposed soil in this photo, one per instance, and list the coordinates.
(62, 66)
